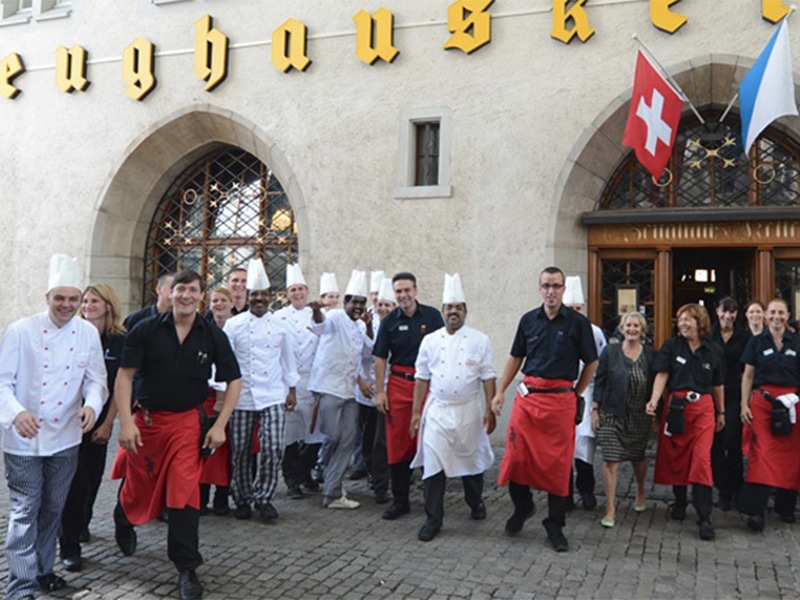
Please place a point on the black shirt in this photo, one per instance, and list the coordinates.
(400, 335)
(140, 315)
(174, 375)
(732, 354)
(112, 352)
(698, 371)
(773, 367)
(552, 347)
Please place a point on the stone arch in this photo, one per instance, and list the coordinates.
(132, 191)
(710, 81)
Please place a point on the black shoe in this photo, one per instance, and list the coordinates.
(294, 492)
(243, 511)
(479, 512)
(84, 537)
(357, 474)
(427, 532)
(382, 497)
(677, 512)
(73, 564)
(706, 530)
(517, 520)
(311, 486)
(589, 501)
(222, 509)
(51, 582)
(788, 518)
(189, 586)
(396, 510)
(126, 539)
(204, 510)
(755, 523)
(267, 512)
(555, 535)
(725, 501)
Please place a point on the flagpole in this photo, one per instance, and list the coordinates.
(792, 8)
(672, 81)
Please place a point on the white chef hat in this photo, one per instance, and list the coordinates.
(386, 291)
(453, 292)
(64, 272)
(327, 284)
(357, 286)
(574, 292)
(375, 278)
(256, 275)
(294, 276)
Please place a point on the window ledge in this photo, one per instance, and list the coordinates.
(56, 13)
(15, 20)
(423, 191)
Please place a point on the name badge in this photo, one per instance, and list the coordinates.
(680, 359)
(706, 366)
(768, 351)
(791, 352)
(403, 328)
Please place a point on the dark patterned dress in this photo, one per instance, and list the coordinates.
(625, 438)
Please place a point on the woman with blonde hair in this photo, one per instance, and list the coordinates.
(101, 307)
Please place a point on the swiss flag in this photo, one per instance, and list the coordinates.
(653, 119)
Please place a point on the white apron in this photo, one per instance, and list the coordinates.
(585, 443)
(299, 420)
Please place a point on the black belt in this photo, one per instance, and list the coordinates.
(406, 376)
(550, 390)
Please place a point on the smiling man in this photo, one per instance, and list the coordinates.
(49, 363)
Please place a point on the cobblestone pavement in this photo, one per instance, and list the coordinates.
(312, 552)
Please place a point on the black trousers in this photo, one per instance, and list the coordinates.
(434, 488)
(754, 497)
(557, 506)
(82, 494)
(220, 495)
(299, 460)
(701, 498)
(584, 480)
(727, 463)
(183, 539)
(373, 445)
(400, 475)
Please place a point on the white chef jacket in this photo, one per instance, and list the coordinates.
(264, 348)
(342, 345)
(452, 437)
(50, 372)
(584, 440)
(368, 366)
(300, 322)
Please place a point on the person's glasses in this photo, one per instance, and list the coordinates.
(551, 286)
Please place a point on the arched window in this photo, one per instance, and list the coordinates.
(708, 169)
(225, 209)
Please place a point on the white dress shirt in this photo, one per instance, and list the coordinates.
(50, 372)
(368, 367)
(264, 348)
(305, 345)
(584, 441)
(342, 345)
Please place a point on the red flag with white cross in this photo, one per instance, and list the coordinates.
(653, 118)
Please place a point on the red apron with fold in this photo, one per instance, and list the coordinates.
(399, 445)
(685, 458)
(217, 467)
(772, 459)
(166, 471)
(541, 438)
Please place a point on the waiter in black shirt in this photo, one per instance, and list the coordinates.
(159, 458)
(540, 443)
(397, 344)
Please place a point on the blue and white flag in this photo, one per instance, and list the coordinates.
(767, 91)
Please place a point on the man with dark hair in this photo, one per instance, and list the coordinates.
(550, 341)
(397, 345)
(161, 443)
(163, 302)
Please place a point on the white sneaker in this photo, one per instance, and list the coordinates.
(344, 502)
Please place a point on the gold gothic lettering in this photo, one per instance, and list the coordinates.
(375, 36)
(576, 12)
(469, 24)
(138, 69)
(663, 18)
(773, 10)
(71, 69)
(289, 46)
(699, 234)
(10, 67)
(210, 53)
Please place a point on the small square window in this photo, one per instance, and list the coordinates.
(424, 154)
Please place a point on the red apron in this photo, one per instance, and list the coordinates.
(772, 459)
(166, 471)
(399, 445)
(685, 458)
(217, 467)
(541, 438)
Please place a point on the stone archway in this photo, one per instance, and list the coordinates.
(130, 196)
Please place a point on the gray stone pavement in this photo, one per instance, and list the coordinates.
(312, 552)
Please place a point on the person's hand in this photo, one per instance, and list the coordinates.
(720, 422)
(595, 420)
(103, 433)
(130, 438)
(366, 389)
(413, 428)
(214, 438)
(489, 422)
(746, 414)
(87, 418)
(651, 407)
(497, 404)
(291, 400)
(26, 425)
(382, 402)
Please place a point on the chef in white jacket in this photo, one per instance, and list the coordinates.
(52, 387)
(452, 366)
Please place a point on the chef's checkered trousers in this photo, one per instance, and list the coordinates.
(270, 437)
